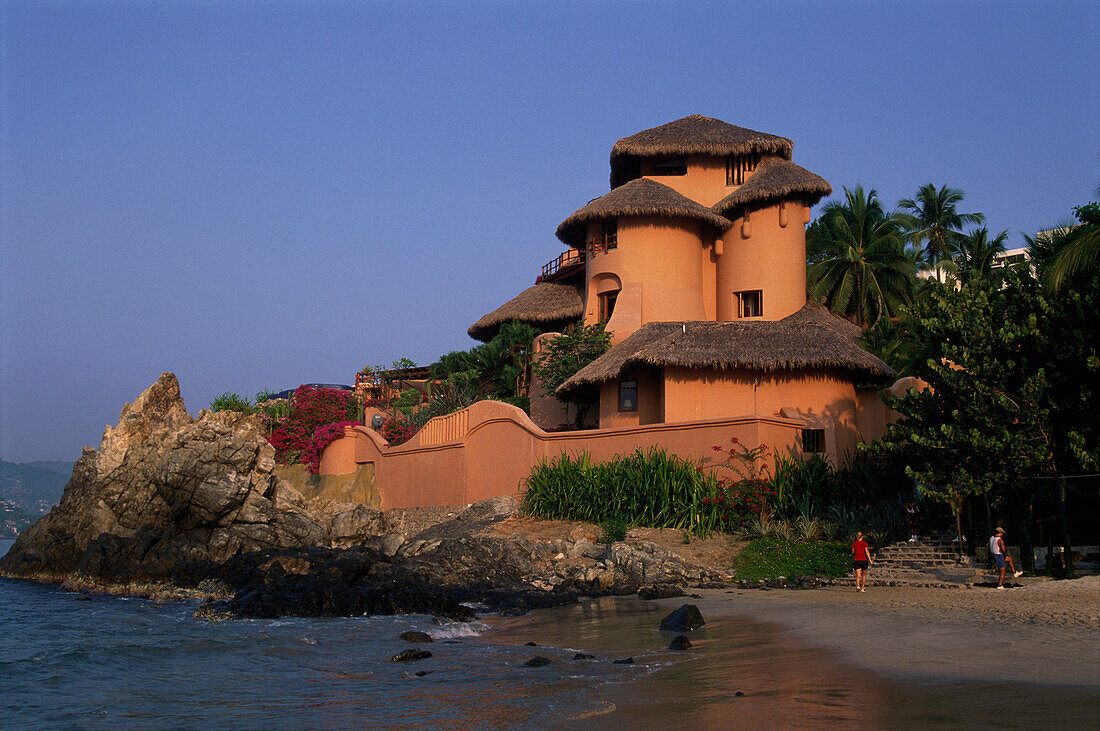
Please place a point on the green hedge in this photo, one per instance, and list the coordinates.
(768, 558)
(651, 488)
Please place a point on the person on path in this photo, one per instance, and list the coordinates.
(912, 511)
(1000, 555)
(861, 559)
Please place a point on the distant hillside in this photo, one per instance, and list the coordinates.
(28, 491)
(65, 469)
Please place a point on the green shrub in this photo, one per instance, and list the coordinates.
(613, 531)
(231, 402)
(651, 488)
(768, 558)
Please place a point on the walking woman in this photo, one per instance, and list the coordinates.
(861, 559)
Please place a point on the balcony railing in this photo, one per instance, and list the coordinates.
(573, 257)
(576, 257)
(604, 243)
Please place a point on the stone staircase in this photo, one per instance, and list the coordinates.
(932, 561)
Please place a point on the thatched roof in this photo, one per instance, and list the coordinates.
(639, 197)
(695, 134)
(543, 304)
(774, 180)
(813, 337)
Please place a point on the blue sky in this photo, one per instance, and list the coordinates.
(259, 194)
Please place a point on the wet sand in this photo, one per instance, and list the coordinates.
(889, 658)
(1046, 633)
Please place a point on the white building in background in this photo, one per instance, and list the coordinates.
(1008, 257)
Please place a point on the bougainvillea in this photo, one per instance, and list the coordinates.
(397, 430)
(310, 408)
(322, 437)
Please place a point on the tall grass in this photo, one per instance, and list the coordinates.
(652, 488)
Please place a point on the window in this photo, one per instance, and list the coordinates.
(813, 441)
(750, 303)
(607, 305)
(671, 166)
(628, 395)
(738, 167)
(606, 238)
(611, 234)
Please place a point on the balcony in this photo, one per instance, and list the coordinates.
(563, 265)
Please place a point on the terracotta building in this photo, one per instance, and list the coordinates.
(696, 262)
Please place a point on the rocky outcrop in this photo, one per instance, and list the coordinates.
(198, 505)
(163, 489)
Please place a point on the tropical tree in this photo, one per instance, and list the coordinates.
(932, 220)
(1012, 373)
(867, 274)
(577, 346)
(973, 255)
(1069, 250)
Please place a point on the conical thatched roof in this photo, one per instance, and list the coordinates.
(639, 197)
(813, 337)
(774, 180)
(546, 303)
(695, 134)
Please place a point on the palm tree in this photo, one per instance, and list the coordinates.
(868, 275)
(974, 254)
(934, 220)
(1076, 249)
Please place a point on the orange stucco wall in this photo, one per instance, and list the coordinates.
(339, 457)
(490, 448)
(816, 394)
(546, 410)
(662, 259)
(704, 183)
(651, 409)
(771, 258)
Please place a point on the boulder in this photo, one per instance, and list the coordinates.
(687, 618)
(679, 643)
(537, 662)
(411, 654)
(416, 637)
(659, 592)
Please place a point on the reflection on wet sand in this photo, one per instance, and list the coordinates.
(783, 682)
(786, 683)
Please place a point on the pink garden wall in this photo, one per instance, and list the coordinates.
(489, 449)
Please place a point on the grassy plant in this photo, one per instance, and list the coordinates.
(613, 531)
(231, 402)
(651, 488)
(768, 558)
(800, 484)
(809, 528)
(758, 527)
(276, 410)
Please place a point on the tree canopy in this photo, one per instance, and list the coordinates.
(863, 272)
(932, 220)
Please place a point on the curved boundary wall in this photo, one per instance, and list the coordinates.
(489, 449)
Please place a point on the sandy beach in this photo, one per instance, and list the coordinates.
(1042, 633)
(889, 658)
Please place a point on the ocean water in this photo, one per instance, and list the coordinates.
(69, 660)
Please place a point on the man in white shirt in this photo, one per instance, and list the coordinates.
(1000, 555)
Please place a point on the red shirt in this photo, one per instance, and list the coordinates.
(859, 551)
